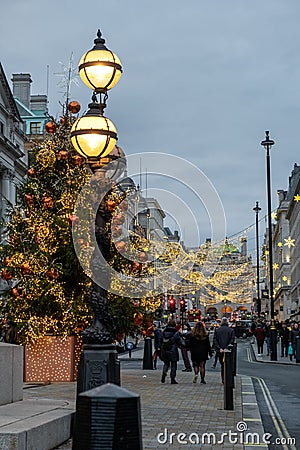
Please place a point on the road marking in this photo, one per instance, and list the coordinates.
(249, 354)
(275, 415)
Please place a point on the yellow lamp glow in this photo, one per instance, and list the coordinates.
(93, 135)
(100, 69)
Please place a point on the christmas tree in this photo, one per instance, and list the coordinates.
(46, 286)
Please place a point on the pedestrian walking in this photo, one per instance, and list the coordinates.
(268, 336)
(185, 337)
(170, 343)
(293, 337)
(223, 337)
(157, 344)
(260, 334)
(284, 335)
(200, 349)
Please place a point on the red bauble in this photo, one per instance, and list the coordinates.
(118, 219)
(111, 204)
(77, 160)
(121, 246)
(116, 231)
(63, 154)
(143, 257)
(74, 107)
(52, 274)
(136, 267)
(138, 318)
(73, 219)
(47, 202)
(6, 274)
(50, 127)
(31, 172)
(28, 199)
(25, 269)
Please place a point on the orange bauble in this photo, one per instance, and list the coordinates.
(121, 246)
(74, 107)
(73, 219)
(47, 202)
(15, 292)
(138, 318)
(77, 160)
(28, 199)
(25, 269)
(50, 127)
(6, 274)
(6, 261)
(143, 257)
(52, 274)
(31, 172)
(118, 219)
(111, 204)
(63, 154)
(116, 231)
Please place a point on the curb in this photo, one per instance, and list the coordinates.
(271, 362)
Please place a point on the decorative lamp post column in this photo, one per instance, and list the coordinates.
(267, 144)
(258, 300)
(94, 137)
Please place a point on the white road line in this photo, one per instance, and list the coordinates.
(274, 413)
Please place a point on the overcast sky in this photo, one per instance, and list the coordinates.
(203, 80)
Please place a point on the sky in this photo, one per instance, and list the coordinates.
(202, 80)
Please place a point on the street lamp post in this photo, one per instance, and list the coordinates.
(258, 300)
(94, 137)
(267, 144)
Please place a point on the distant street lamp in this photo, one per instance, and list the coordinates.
(267, 144)
(258, 300)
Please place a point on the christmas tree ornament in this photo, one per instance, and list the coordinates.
(111, 205)
(63, 155)
(77, 160)
(31, 172)
(25, 269)
(6, 274)
(143, 257)
(121, 246)
(15, 292)
(123, 206)
(74, 107)
(52, 274)
(118, 219)
(29, 199)
(116, 231)
(50, 127)
(47, 202)
(6, 261)
(46, 157)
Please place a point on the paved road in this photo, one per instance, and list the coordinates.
(277, 389)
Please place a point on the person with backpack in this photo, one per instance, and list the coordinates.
(170, 342)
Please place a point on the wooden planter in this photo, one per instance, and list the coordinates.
(52, 358)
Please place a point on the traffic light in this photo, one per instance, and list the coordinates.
(172, 305)
(182, 304)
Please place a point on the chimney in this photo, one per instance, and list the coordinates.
(21, 87)
(38, 103)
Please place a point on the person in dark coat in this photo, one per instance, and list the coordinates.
(293, 337)
(284, 334)
(260, 334)
(9, 335)
(157, 343)
(200, 349)
(170, 336)
(223, 337)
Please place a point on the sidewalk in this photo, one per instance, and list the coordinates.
(187, 407)
(266, 359)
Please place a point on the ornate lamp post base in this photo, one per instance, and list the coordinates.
(98, 365)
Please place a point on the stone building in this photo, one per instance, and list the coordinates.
(13, 155)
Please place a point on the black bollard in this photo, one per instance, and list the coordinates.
(108, 417)
(147, 358)
(298, 349)
(228, 380)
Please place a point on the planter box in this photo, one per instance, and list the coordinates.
(52, 358)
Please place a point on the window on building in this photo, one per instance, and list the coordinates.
(35, 127)
(1, 127)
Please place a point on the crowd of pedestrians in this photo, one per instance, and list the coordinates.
(175, 338)
(287, 333)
